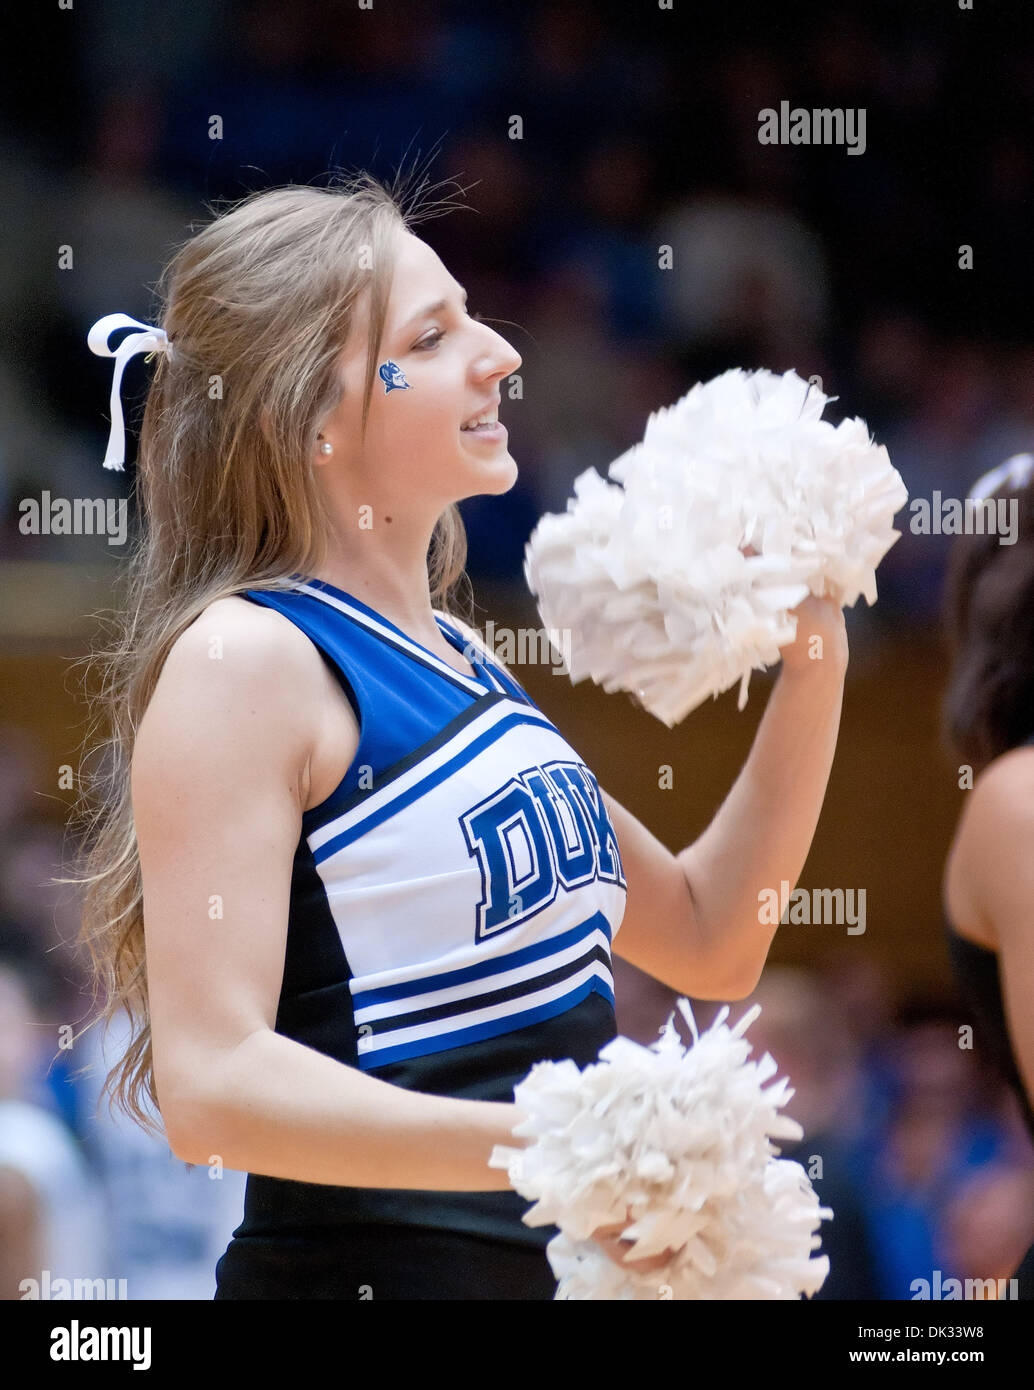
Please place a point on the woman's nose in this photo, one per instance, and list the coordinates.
(504, 355)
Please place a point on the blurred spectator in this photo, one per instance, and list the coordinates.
(942, 447)
(605, 234)
(20, 768)
(940, 1133)
(42, 916)
(51, 1215)
(857, 991)
(747, 278)
(989, 1224)
(168, 1222)
(811, 1047)
(31, 858)
(587, 392)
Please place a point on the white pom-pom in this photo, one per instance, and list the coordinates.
(650, 578)
(673, 1144)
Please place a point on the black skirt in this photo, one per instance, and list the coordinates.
(365, 1262)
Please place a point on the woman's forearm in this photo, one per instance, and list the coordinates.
(762, 833)
(276, 1107)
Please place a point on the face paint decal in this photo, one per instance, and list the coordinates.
(393, 377)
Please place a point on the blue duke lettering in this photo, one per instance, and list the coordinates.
(546, 829)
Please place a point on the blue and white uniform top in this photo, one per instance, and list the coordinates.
(453, 901)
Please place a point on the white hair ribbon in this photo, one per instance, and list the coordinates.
(1015, 470)
(151, 338)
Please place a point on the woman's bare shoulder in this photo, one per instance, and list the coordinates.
(236, 657)
(1004, 786)
(1003, 793)
(253, 638)
(995, 830)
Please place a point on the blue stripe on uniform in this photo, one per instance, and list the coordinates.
(496, 966)
(491, 1028)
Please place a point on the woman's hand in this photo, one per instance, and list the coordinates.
(816, 617)
(821, 637)
(608, 1238)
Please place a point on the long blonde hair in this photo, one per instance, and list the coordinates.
(257, 306)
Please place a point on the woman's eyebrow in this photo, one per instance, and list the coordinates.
(428, 310)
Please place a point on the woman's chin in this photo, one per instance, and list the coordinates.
(508, 473)
(495, 476)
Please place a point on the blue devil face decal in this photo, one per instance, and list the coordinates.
(392, 376)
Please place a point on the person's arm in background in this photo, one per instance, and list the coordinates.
(21, 1246)
(993, 856)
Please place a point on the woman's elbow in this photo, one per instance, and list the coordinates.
(190, 1138)
(196, 1088)
(718, 973)
(725, 989)
(191, 1124)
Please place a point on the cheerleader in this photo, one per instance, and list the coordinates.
(989, 722)
(348, 880)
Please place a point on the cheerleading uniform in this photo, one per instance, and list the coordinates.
(976, 969)
(452, 908)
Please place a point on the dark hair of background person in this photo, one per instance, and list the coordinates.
(988, 616)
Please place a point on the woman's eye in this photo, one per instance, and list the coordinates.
(437, 337)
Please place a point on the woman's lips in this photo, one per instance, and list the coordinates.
(489, 432)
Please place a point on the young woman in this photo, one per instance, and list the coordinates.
(989, 721)
(352, 882)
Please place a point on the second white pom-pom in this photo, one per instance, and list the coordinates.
(674, 1145)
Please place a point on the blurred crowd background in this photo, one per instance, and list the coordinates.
(639, 130)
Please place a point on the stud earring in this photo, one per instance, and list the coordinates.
(326, 447)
